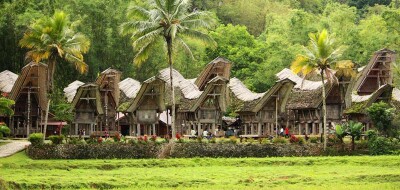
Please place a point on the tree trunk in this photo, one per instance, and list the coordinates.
(45, 119)
(169, 47)
(352, 143)
(51, 68)
(324, 109)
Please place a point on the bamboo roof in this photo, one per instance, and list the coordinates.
(7, 80)
(188, 89)
(109, 80)
(384, 91)
(32, 75)
(301, 84)
(89, 92)
(71, 89)
(217, 67)
(384, 56)
(130, 87)
(282, 89)
(213, 83)
(152, 83)
(241, 91)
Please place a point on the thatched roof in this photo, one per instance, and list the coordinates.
(241, 91)
(217, 67)
(71, 89)
(188, 89)
(35, 75)
(89, 92)
(301, 84)
(7, 80)
(129, 87)
(307, 99)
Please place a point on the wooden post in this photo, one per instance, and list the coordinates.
(29, 113)
(199, 129)
(314, 128)
(299, 128)
(213, 129)
(245, 129)
(138, 133)
(252, 128)
(259, 128)
(154, 129)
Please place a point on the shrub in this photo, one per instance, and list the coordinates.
(228, 150)
(293, 139)
(213, 140)
(94, 151)
(382, 145)
(56, 139)
(301, 140)
(233, 139)
(313, 139)
(36, 139)
(279, 140)
(4, 131)
(117, 137)
(153, 138)
(91, 140)
(74, 140)
(371, 134)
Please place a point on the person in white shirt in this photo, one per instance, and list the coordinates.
(193, 132)
(205, 133)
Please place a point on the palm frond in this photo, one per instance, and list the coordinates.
(182, 44)
(198, 35)
(147, 37)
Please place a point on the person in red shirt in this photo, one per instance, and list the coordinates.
(287, 132)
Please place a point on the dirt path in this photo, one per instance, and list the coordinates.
(12, 148)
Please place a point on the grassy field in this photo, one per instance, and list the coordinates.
(357, 172)
(3, 143)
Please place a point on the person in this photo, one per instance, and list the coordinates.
(305, 136)
(83, 132)
(287, 132)
(193, 132)
(205, 133)
(281, 132)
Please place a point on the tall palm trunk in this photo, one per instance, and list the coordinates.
(169, 47)
(323, 108)
(51, 68)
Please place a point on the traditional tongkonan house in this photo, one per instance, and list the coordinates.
(304, 107)
(373, 84)
(30, 95)
(145, 109)
(128, 90)
(87, 107)
(7, 80)
(261, 113)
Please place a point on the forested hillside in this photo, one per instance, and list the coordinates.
(260, 37)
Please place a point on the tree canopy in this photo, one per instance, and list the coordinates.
(268, 32)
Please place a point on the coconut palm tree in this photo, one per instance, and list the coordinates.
(169, 22)
(52, 38)
(320, 56)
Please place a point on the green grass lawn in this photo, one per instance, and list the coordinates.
(353, 172)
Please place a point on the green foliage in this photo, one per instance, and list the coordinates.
(56, 139)
(313, 139)
(382, 115)
(4, 131)
(36, 139)
(279, 140)
(382, 145)
(5, 106)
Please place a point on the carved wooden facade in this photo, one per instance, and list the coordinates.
(30, 95)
